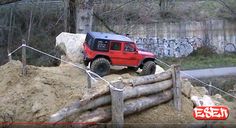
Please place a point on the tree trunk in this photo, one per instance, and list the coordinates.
(72, 16)
(131, 92)
(84, 15)
(65, 15)
(30, 25)
(131, 106)
(150, 78)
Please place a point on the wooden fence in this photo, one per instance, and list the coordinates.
(124, 98)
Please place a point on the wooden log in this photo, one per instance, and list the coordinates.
(117, 104)
(150, 78)
(176, 87)
(132, 92)
(147, 89)
(103, 114)
(101, 91)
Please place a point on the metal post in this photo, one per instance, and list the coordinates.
(88, 80)
(210, 89)
(24, 58)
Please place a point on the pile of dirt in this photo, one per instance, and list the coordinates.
(41, 93)
(45, 90)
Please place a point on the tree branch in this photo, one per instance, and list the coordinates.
(104, 23)
(2, 2)
(222, 2)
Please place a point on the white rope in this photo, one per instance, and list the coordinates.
(87, 71)
(205, 84)
(110, 85)
(209, 85)
(55, 57)
(163, 62)
(15, 50)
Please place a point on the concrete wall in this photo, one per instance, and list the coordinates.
(181, 39)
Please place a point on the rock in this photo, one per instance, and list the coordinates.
(202, 101)
(36, 107)
(125, 76)
(218, 96)
(186, 87)
(159, 69)
(199, 91)
(72, 45)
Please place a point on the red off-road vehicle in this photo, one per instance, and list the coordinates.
(104, 49)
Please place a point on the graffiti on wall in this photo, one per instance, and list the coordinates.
(169, 47)
(229, 48)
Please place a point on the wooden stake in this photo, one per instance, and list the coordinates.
(117, 104)
(23, 58)
(176, 87)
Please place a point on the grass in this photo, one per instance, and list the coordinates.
(202, 62)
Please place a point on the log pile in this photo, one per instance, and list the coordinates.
(138, 94)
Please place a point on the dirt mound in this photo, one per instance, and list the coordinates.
(42, 92)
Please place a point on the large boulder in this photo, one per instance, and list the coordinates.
(72, 45)
(186, 87)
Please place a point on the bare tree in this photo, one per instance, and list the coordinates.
(84, 15)
(165, 6)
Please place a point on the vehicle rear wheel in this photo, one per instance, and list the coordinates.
(101, 66)
(149, 68)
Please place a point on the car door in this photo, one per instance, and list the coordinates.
(130, 54)
(115, 52)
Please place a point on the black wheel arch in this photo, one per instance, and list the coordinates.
(102, 56)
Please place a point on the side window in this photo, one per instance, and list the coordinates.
(129, 47)
(89, 40)
(115, 46)
(102, 45)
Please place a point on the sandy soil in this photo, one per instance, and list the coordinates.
(45, 90)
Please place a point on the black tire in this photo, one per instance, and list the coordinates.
(101, 66)
(133, 68)
(149, 68)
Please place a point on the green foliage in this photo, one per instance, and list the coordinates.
(204, 51)
(201, 61)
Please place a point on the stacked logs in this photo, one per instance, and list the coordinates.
(139, 93)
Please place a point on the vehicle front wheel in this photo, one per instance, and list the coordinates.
(101, 66)
(149, 68)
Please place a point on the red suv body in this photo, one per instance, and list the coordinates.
(117, 50)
